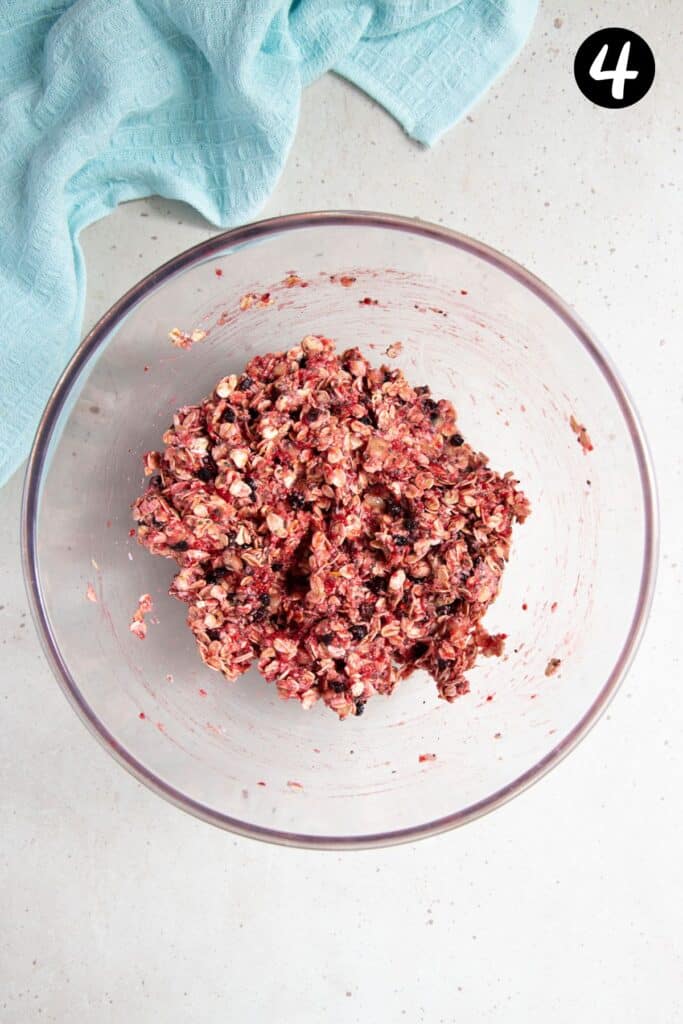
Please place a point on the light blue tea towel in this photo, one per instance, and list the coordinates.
(107, 100)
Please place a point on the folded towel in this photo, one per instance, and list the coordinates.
(106, 101)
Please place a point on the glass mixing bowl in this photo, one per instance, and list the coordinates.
(517, 364)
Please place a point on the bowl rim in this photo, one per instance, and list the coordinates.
(97, 337)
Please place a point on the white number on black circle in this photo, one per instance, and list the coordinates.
(620, 73)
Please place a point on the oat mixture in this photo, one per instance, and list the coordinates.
(329, 520)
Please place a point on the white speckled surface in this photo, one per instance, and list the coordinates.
(564, 905)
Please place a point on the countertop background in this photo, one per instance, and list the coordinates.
(564, 905)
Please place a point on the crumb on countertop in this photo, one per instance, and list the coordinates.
(552, 666)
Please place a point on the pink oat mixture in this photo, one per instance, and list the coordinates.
(329, 521)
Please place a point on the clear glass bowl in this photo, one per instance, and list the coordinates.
(517, 364)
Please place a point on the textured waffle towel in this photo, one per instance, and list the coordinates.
(107, 100)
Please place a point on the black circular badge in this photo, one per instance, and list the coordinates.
(614, 67)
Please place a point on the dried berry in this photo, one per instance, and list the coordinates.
(214, 575)
(208, 471)
(358, 632)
